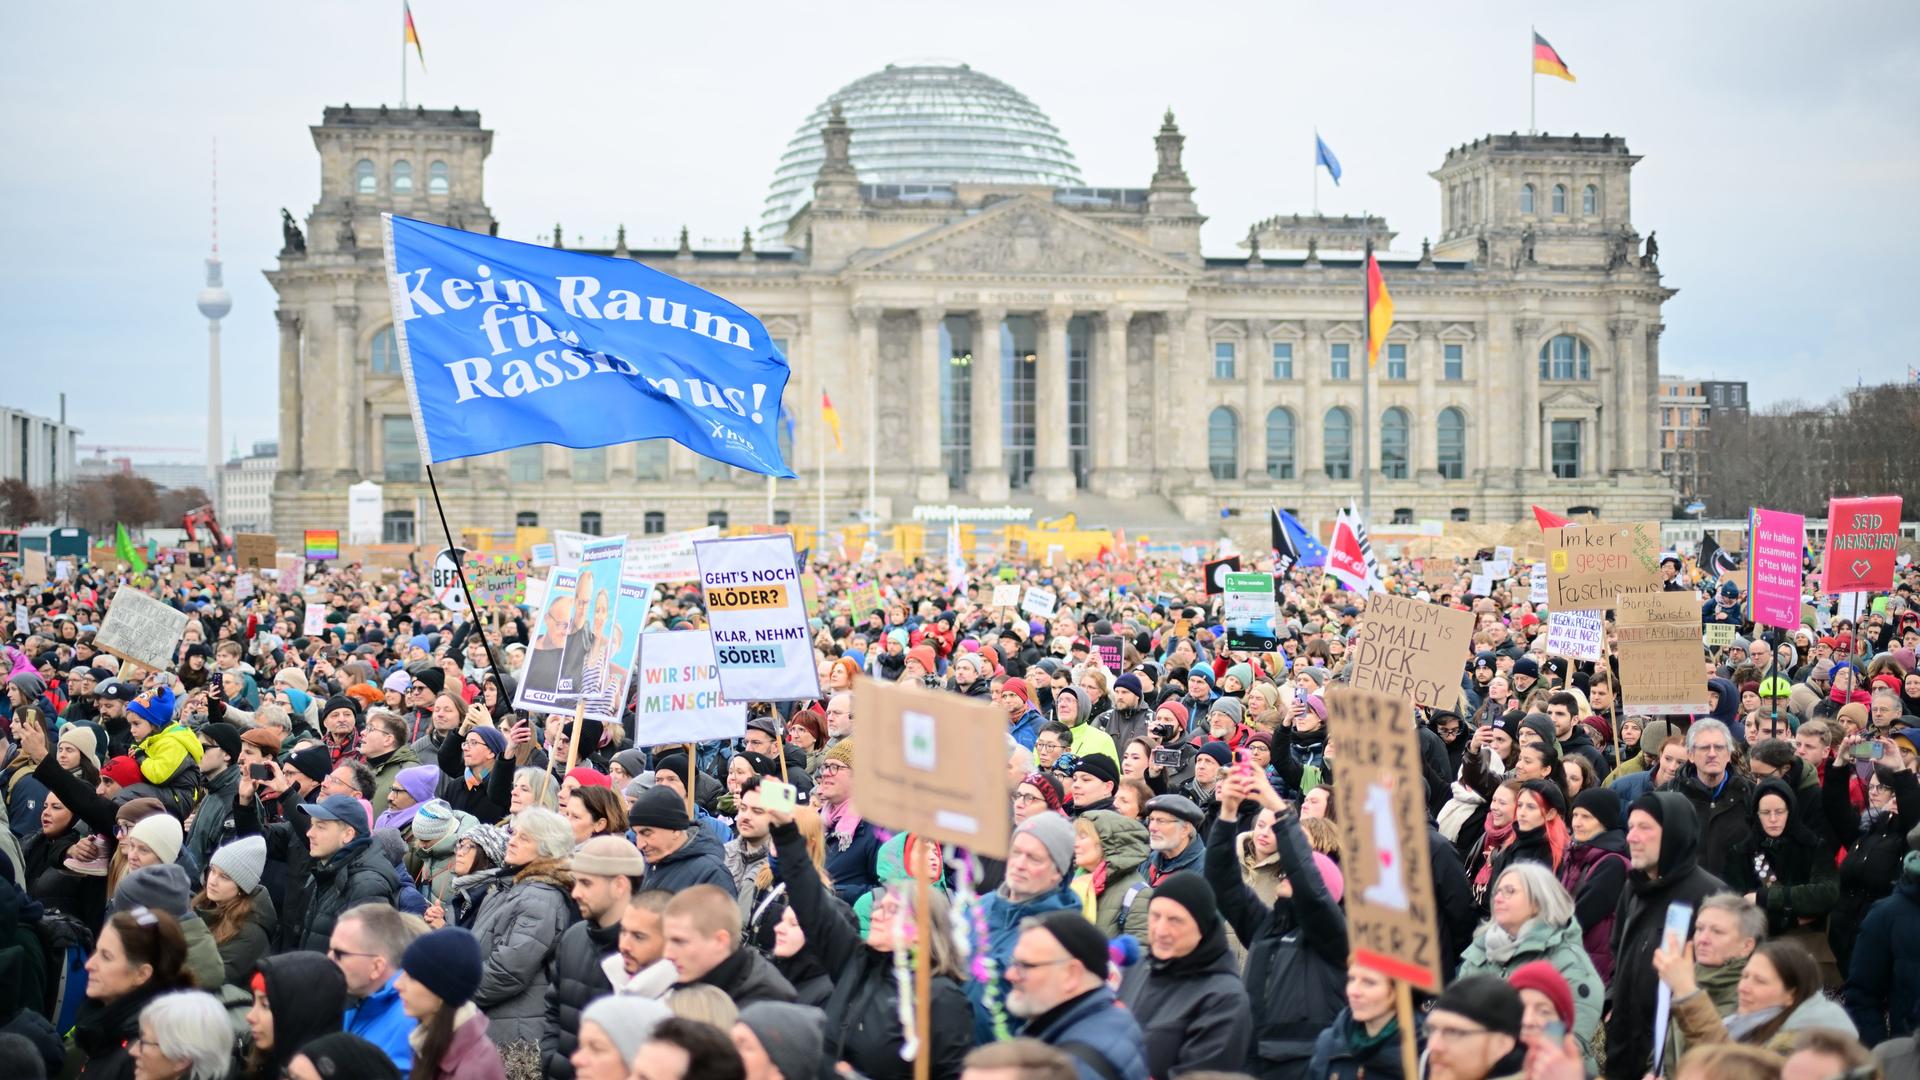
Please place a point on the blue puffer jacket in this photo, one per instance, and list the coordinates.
(1003, 932)
(1883, 985)
(1097, 1023)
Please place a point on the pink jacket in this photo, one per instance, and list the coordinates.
(471, 1055)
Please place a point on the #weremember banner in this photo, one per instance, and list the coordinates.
(762, 645)
(504, 344)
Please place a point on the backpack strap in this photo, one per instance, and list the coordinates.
(1091, 1058)
(1126, 902)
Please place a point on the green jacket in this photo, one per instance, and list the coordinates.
(1561, 946)
(1123, 841)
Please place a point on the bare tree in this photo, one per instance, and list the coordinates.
(1794, 456)
(19, 503)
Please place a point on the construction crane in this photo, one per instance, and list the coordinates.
(103, 449)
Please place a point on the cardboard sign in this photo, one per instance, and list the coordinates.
(321, 544)
(1720, 635)
(1862, 541)
(921, 769)
(573, 632)
(495, 577)
(1576, 635)
(1383, 834)
(1773, 571)
(1111, 651)
(243, 587)
(659, 560)
(1006, 596)
(1661, 669)
(33, 564)
(1251, 613)
(1588, 564)
(254, 551)
(1215, 574)
(1411, 650)
(141, 629)
(676, 692)
(315, 623)
(290, 569)
(761, 641)
(1038, 602)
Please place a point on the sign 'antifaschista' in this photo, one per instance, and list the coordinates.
(506, 344)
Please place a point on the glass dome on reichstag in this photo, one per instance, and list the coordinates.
(921, 124)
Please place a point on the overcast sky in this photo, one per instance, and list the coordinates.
(1782, 156)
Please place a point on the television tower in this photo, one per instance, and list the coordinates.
(214, 303)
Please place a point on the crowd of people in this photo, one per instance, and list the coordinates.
(344, 854)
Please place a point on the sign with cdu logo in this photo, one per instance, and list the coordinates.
(506, 344)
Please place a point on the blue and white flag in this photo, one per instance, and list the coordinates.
(1299, 543)
(505, 344)
(1323, 155)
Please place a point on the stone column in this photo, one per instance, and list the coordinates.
(1526, 365)
(1618, 402)
(1164, 407)
(1644, 405)
(925, 421)
(292, 431)
(988, 478)
(347, 399)
(1426, 418)
(1311, 366)
(1052, 479)
(866, 420)
(1253, 412)
(1110, 457)
(1187, 351)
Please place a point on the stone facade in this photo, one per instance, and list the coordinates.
(1065, 348)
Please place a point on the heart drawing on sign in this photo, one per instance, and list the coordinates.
(1860, 567)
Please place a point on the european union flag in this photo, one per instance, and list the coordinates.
(1323, 155)
(1300, 543)
(505, 344)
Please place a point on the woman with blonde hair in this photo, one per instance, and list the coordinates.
(1109, 852)
(705, 1003)
(533, 787)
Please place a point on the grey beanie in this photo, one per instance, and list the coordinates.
(628, 1020)
(157, 888)
(792, 1036)
(1081, 700)
(1233, 707)
(244, 861)
(1055, 834)
(1317, 674)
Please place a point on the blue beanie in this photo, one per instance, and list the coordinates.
(446, 962)
(495, 741)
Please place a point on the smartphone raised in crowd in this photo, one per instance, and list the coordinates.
(1166, 759)
(1869, 751)
(778, 797)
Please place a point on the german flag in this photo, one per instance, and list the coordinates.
(411, 35)
(1379, 309)
(832, 416)
(1548, 62)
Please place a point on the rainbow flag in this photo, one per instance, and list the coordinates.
(322, 544)
(413, 35)
(832, 417)
(1379, 309)
(1547, 62)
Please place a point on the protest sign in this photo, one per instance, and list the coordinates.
(495, 577)
(254, 551)
(921, 769)
(315, 623)
(1497, 569)
(1537, 584)
(567, 547)
(536, 592)
(1215, 574)
(290, 569)
(1006, 596)
(676, 688)
(629, 614)
(1773, 569)
(1383, 834)
(761, 641)
(444, 579)
(321, 544)
(1503, 553)
(141, 629)
(1588, 564)
(1411, 650)
(581, 351)
(63, 569)
(1576, 635)
(1862, 538)
(1661, 669)
(573, 631)
(243, 587)
(1720, 635)
(540, 555)
(33, 564)
(1038, 602)
(865, 598)
(1111, 651)
(1481, 585)
(659, 560)
(1251, 612)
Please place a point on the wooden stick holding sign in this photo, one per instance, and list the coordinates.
(923, 869)
(690, 774)
(1409, 1048)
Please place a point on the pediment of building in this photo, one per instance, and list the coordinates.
(1024, 236)
(1570, 397)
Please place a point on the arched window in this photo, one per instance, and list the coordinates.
(437, 183)
(1559, 198)
(386, 353)
(1223, 444)
(1280, 444)
(1450, 432)
(1566, 358)
(1526, 198)
(1337, 437)
(364, 180)
(402, 177)
(1590, 200)
(1395, 443)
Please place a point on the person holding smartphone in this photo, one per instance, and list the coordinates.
(1874, 840)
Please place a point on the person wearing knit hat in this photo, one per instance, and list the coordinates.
(157, 888)
(341, 1056)
(1602, 805)
(922, 658)
(488, 840)
(82, 739)
(1478, 1021)
(121, 772)
(791, 1039)
(242, 861)
(1545, 997)
(1095, 777)
(659, 808)
(1036, 793)
(447, 963)
(225, 736)
(495, 739)
(312, 764)
(1241, 673)
(1174, 712)
(439, 974)
(1055, 834)
(1190, 986)
(585, 776)
(1058, 986)
(1130, 683)
(160, 835)
(614, 1027)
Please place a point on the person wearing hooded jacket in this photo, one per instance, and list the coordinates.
(1296, 947)
(679, 854)
(1114, 891)
(1883, 985)
(1125, 723)
(297, 997)
(1595, 871)
(519, 924)
(1783, 865)
(1873, 842)
(1663, 842)
(1194, 1012)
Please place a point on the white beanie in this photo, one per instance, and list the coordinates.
(160, 832)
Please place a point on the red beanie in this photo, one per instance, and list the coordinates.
(1018, 687)
(122, 770)
(1176, 708)
(1542, 976)
(924, 654)
(589, 777)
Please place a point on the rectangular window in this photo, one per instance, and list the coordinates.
(590, 466)
(526, 519)
(1403, 515)
(1223, 359)
(653, 523)
(1566, 449)
(396, 527)
(650, 459)
(717, 518)
(1283, 360)
(399, 450)
(1397, 362)
(590, 522)
(1456, 363)
(523, 464)
(1342, 362)
(1461, 513)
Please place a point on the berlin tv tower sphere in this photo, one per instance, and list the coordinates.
(214, 300)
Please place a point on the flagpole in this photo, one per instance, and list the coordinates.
(1533, 84)
(820, 458)
(403, 64)
(1366, 387)
(1316, 172)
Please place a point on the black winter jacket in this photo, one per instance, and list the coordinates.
(1725, 814)
(1192, 1009)
(699, 861)
(747, 977)
(574, 979)
(356, 874)
(1872, 863)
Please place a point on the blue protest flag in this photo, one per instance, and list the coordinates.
(505, 344)
(1323, 155)
(1311, 552)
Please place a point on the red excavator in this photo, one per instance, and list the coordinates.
(202, 516)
